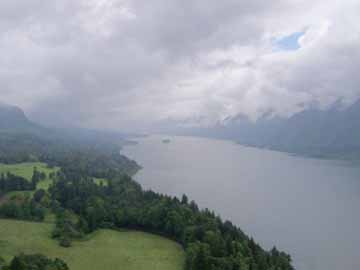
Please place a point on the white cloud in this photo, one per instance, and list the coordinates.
(128, 64)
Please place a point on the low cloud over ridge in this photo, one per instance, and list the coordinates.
(129, 64)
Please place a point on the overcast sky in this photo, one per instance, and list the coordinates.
(131, 63)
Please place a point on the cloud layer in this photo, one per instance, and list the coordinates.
(130, 63)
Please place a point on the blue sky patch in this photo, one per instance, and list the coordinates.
(289, 43)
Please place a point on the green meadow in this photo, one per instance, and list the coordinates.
(104, 249)
(26, 170)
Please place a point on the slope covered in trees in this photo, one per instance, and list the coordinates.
(23, 141)
(34, 262)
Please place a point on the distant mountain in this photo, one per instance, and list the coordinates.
(332, 133)
(22, 140)
(13, 118)
(17, 130)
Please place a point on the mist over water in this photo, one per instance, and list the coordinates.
(307, 207)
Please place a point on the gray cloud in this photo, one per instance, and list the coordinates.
(128, 64)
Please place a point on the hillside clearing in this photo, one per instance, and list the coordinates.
(104, 249)
(26, 170)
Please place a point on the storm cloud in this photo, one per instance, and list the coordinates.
(128, 64)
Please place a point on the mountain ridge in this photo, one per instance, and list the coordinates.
(333, 133)
(13, 118)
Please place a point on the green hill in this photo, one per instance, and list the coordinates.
(104, 249)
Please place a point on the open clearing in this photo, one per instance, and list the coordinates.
(105, 249)
(26, 170)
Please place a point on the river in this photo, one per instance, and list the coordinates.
(306, 207)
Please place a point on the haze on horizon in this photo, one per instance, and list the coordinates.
(131, 64)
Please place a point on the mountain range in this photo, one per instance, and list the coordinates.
(13, 120)
(331, 133)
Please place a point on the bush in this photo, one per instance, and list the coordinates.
(2, 263)
(65, 242)
(36, 262)
(39, 195)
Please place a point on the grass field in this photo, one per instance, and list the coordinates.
(26, 170)
(104, 250)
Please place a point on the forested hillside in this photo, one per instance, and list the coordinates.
(22, 141)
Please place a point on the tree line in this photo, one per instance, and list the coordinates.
(11, 182)
(33, 262)
(93, 156)
(22, 206)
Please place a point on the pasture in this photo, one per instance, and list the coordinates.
(104, 249)
(26, 170)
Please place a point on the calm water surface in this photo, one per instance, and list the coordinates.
(307, 207)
